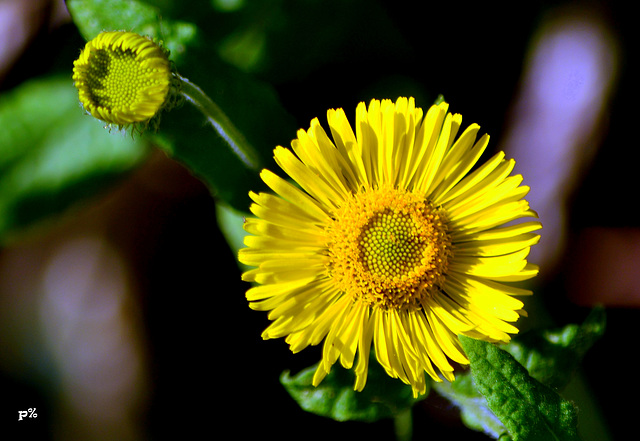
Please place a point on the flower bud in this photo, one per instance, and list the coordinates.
(123, 78)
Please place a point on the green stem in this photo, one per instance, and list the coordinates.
(403, 424)
(220, 122)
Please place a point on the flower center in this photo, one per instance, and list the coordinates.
(388, 247)
(115, 77)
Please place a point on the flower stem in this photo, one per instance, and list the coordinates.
(220, 122)
(403, 424)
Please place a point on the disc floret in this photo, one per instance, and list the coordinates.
(388, 248)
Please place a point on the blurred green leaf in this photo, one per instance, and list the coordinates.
(552, 356)
(52, 154)
(382, 397)
(290, 39)
(528, 409)
(94, 16)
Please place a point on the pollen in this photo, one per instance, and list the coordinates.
(389, 248)
(122, 77)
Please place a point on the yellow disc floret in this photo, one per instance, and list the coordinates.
(388, 247)
(122, 77)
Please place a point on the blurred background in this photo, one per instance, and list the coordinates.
(123, 316)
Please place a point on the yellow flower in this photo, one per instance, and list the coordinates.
(392, 240)
(122, 78)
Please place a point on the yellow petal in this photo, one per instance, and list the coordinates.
(293, 195)
(496, 247)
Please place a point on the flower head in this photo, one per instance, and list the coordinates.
(122, 78)
(391, 240)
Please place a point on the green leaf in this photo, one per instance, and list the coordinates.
(52, 154)
(552, 356)
(382, 397)
(528, 409)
